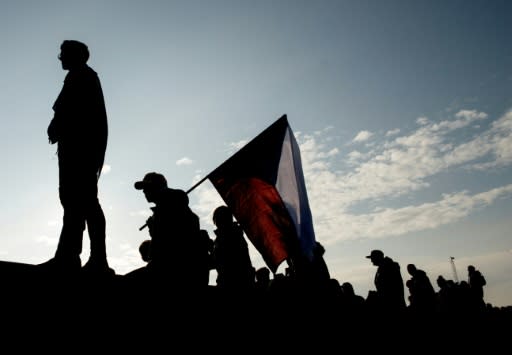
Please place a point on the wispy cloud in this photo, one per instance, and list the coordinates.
(235, 146)
(392, 132)
(44, 239)
(52, 223)
(398, 221)
(184, 161)
(362, 136)
(399, 167)
(143, 213)
(106, 169)
(471, 114)
(497, 141)
(422, 120)
(208, 200)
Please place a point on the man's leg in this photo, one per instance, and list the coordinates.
(73, 225)
(96, 226)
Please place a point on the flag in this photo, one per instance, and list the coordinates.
(263, 184)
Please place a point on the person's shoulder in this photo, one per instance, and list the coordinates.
(177, 196)
(421, 273)
(388, 261)
(82, 74)
(89, 71)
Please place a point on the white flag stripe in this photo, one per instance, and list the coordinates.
(291, 187)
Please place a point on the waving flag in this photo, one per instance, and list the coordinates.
(263, 184)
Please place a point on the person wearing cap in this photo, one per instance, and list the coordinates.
(174, 230)
(389, 284)
(79, 127)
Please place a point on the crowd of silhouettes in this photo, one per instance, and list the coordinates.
(174, 229)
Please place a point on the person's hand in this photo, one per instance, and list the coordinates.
(150, 222)
(52, 132)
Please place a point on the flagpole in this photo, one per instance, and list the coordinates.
(198, 183)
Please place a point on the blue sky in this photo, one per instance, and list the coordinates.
(402, 110)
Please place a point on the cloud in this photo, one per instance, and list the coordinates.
(422, 121)
(184, 161)
(403, 164)
(392, 132)
(44, 239)
(497, 142)
(128, 259)
(106, 169)
(235, 146)
(471, 114)
(143, 213)
(398, 221)
(52, 223)
(208, 199)
(398, 168)
(362, 136)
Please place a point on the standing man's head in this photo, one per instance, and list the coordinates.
(73, 54)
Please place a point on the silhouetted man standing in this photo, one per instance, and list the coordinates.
(80, 129)
(389, 284)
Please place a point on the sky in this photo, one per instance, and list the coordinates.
(402, 111)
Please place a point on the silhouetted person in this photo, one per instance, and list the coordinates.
(476, 283)
(79, 127)
(176, 251)
(231, 253)
(352, 304)
(319, 266)
(389, 296)
(145, 250)
(422, 294)
(140, 275)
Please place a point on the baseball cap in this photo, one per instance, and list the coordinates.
(154, 180)
(375, 254)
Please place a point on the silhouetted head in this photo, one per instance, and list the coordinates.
(263, 275)
(411, 268)
(347, 289)
(471, 268)
(376, 256)
(145, 250)
(222, 216)
(441, 281)
(73, 54)
(152, 185)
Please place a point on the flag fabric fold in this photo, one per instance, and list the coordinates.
(263, 184)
